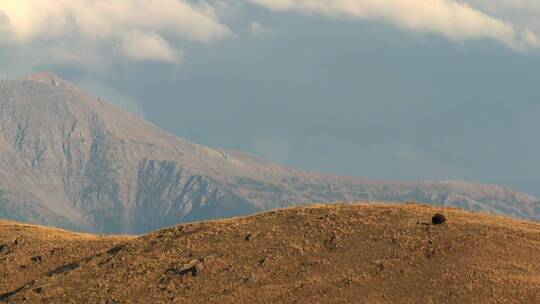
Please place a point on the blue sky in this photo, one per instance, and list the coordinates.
(406, 89)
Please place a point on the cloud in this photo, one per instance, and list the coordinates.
(257, 29)
(458, 21)
(524, 13)
(148, 46)
(83, 32)
(123, 23)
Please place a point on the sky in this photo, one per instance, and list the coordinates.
(396, 89)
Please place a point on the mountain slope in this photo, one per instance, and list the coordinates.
(320, 254)
(29, 251)
(72, 160)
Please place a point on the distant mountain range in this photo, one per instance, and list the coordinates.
(72, 160)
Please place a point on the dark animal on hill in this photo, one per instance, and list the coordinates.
(438, 219)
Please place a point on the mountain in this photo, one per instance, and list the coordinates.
(72, 160)
(320, 254)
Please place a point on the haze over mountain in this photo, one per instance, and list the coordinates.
(72, 160)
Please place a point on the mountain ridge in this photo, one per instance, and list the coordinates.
(72, 160)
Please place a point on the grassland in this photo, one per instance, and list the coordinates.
(319, 254)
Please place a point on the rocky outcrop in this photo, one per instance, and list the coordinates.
(168, 193)
(72, 160)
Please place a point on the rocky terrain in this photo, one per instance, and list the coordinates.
(341, 253)
(72, 160)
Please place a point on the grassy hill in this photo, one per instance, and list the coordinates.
(319, 254)
(28, 252)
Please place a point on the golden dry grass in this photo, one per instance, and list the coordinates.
(28, 252)
(318, 254)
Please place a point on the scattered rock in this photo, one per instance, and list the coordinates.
(294, 250)
(36, 259)
(115, 249)
(250, 278)
(333, 242)
(430, 252)
(57, 250)
(265, 261)
(380, 267)
(192, 267)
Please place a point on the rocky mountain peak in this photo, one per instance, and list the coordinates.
(49, 77)
(69, 159)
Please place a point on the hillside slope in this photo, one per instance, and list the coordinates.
(29, 251)
(319, 254)
(71, 160)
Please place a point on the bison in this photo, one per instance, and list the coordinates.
(438, 219)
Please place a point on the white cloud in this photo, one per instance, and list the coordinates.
(83, 32)
(148, 46)
(457, 21)
(257, 29)
(120, 22)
